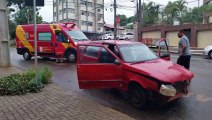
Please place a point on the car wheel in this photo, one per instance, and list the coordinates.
(210, 54)
(71, 56)
(46, 58)
(137, 97)
(27, 55)
(109, 39)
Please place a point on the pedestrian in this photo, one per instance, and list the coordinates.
(184, 51)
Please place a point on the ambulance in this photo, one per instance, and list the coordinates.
(53, 40)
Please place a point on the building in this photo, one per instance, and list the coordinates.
(199, 34)
(87, 14)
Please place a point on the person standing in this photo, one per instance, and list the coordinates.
(184, 51)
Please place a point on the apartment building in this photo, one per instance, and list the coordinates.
(87, 14)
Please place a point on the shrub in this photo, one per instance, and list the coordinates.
(45, 75)
(17, 84)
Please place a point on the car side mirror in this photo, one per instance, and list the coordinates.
(117, 62)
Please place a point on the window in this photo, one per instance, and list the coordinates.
(77, 35)
(70, 10)
(83, 2)
(44, 36)
(83, 22)
(92, 51)
(89, 4)
(90, 14)
(95, 54)
(89, 23)
(106, 57)
(100, 25)
(83, 12)
(129, 34)
(137, 53)
(60, 13)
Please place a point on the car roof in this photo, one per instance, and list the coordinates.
(115, 42)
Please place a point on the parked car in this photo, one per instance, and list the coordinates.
(108, 37)
(125, 36)
(208, 51)
(133, 68)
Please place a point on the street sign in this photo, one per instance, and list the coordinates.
(30, 3)
(118, 19)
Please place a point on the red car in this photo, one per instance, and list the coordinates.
(131, 67)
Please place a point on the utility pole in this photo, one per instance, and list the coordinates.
(198, 3)
(35, 43)
(4, 36)
(137, 24)
(57, 15)
(139, 20)
(115, 24)
(66, 10)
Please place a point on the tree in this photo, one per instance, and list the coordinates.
(25, 16)
(174, 11)
(19, 3)
(123, 19)
(20, 14)
(196, 14)
(150, 13)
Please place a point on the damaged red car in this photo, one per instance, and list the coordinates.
(133, 68)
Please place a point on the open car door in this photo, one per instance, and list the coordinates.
(97, 67)
(163, 50)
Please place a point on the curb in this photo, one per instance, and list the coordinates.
(196, 54)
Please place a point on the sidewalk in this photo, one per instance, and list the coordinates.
(194, 51)
(53, 103)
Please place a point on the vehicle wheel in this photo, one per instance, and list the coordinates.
(71, 56)
(46, 58)
(210, 54)
(137, 97)
(27, 55)
(109, 39)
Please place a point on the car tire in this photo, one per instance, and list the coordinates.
(46, 58)
(137, 97)
(109, 39)
(27, 55)
(71, 56)
(210, 54)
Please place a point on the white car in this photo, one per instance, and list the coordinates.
(208, 51)
(108, 37)
(125, 36)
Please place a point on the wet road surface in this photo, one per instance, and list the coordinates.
(195, 106)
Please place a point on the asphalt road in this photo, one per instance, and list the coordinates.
(195, 106)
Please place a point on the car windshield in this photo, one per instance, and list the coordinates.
(137, 53)
(77, 35)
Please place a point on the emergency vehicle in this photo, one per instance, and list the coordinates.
(53, 40)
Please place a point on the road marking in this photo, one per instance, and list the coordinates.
(202, 98)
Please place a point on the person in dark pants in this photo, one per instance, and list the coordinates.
(184, 51)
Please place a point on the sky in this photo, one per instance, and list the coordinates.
(47, 11)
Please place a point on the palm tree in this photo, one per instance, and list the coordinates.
(174, 11)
